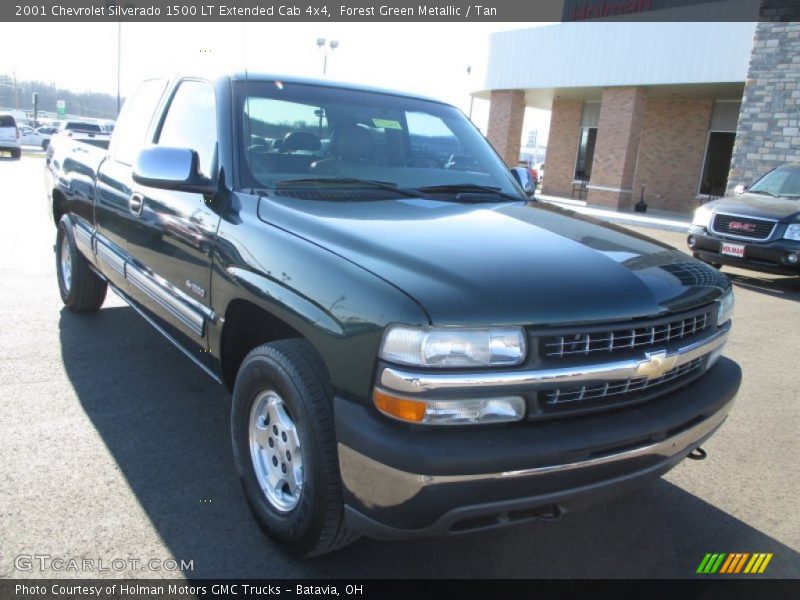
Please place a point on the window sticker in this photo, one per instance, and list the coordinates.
(387, 123)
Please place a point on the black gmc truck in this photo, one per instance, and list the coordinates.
(413, 348)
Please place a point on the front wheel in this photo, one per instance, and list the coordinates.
(284, 447)
(82, 290)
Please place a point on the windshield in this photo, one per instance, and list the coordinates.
(79, 126)
(783, 181)
(322, 135)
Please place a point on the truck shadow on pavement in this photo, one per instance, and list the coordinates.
(787, 288)
(167, 427)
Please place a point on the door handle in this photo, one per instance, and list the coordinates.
(136, 203)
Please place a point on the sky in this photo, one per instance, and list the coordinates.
(427, 58)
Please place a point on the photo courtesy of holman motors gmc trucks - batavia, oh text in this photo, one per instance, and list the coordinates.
(413, 346)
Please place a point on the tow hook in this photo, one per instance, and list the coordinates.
(697, 454)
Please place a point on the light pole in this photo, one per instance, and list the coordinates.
(471, 97)
(119, 62)
(333, 45)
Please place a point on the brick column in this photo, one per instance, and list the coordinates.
(768, 134)
(506, 112)
(621, 118)
(562, 147)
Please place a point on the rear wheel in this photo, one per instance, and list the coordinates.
(82, 290)
(284, 447)
(16, 152)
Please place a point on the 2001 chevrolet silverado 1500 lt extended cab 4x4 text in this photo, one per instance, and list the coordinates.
(412, 349)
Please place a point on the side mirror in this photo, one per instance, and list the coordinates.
(524, 179)
(740, 189)
(171, 169)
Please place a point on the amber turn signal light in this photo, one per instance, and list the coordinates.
(404, 409)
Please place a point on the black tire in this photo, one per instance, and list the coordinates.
(86, 291)
(45, 144)
(295, 372)
(16, 153)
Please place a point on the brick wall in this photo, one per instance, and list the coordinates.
(769, 122)
(562, 147)
(621, 117)
(506, 113)
(671, 150)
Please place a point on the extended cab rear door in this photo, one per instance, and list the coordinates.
(171, 238)
(115, 201)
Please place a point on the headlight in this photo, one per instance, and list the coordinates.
(453, 347)
(725, 308)
(792, 232)
(702, 217)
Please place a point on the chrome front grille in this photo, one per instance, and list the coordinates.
(615, 340)
(566, 395)
(742, 227)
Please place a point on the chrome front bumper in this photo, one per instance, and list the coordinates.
(378, 485)
(401, 481)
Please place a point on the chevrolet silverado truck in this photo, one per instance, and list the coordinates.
(411, 349)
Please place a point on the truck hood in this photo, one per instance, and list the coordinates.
(758, 205)
(510, 263)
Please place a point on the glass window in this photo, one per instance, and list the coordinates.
(82, 126)
(191, 122)
(7, 121)
(429, 134)
(300, 131)
(783, 181)
(583, 166)
(134, 121)
(717, 164)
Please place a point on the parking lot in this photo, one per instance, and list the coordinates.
(116, 446)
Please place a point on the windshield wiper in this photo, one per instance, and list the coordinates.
(459, 188)
(765, 192)
(346, 181)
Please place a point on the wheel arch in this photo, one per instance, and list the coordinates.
(60, 207)
(246, 326)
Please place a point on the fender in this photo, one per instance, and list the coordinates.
(338, 306)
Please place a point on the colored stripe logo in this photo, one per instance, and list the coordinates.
(735, 562)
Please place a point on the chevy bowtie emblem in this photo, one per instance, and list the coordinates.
(656, 364)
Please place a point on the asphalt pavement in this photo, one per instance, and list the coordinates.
(114, 446)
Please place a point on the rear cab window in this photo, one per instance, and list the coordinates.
(134, 121)
(191, 122)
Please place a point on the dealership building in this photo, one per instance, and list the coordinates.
(671, 111)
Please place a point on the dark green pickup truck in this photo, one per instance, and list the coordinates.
(413, 346)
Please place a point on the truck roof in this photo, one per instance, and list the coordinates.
(262, 76)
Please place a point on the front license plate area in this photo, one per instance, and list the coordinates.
(733, 249)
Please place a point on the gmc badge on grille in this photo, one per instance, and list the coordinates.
(739, 226)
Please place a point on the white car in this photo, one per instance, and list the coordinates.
(30, 137)
(47, 132)
(9, 136)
